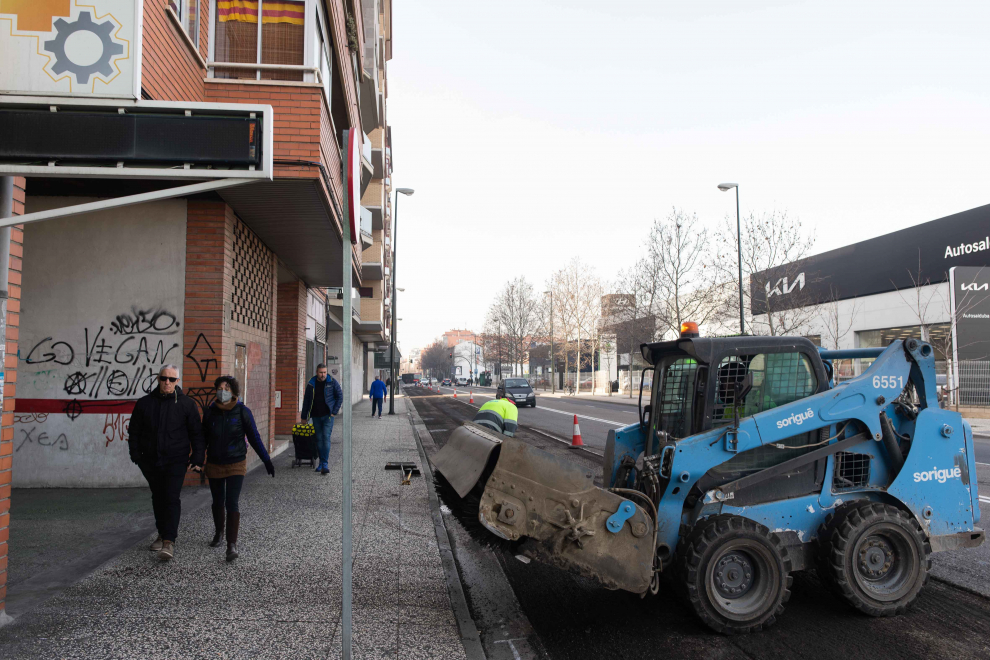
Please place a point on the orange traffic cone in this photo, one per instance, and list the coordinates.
(471, 400)
(576, 440)
(455, 394)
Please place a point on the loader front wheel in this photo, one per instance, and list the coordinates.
(736, 573)
(875, 556)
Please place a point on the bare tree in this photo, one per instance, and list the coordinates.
(933, 309)
(516, 313)
(577, 292)
(834, 325)
(773, 284)
(679, 269)
(435, 360)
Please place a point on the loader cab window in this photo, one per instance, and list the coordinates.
(674, 407)
(778, 379)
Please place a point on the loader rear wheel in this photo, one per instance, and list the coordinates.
(736, 574)
(875, 556)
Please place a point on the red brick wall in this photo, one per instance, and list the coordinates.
(10, 389)
(208, 270)
(297, 118)
(169, 70)
(290, 352)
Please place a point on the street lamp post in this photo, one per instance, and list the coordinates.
(724, 187)
(553, 382)
(391, 352)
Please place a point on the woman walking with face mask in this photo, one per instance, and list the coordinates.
(226, 424)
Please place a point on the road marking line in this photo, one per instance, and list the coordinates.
(985, 499)
(580, 416)
(985, 464)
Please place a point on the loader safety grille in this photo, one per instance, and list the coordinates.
(851, 471)
(675, 398)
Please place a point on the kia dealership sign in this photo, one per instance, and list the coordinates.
(71, 48)
(878, 265)
(970, 302)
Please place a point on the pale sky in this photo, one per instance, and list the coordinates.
(535, 131)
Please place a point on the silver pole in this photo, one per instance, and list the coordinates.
(346, 387)
(391, 350)
(742, 321)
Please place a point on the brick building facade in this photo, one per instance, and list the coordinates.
(242, 281)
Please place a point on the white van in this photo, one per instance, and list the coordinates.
(461, 381)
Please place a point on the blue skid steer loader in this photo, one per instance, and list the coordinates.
(748, 463)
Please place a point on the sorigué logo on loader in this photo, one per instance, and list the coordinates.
(938, 475)
(796, 418)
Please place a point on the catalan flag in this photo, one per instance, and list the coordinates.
(246, 11)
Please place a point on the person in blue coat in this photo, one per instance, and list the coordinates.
(377, 392)
(322, 403)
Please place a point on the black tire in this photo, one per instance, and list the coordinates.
(748, 600)
(532, 405)
(874, 556)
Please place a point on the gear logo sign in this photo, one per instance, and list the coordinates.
(81, 62)
(71, 48)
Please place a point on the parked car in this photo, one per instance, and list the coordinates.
(518, 390)
(446, 382)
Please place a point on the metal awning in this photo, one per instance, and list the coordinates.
(295, 220)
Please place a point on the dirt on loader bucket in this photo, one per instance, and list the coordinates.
(552, 508)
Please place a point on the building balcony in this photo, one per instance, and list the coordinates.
(298, 214)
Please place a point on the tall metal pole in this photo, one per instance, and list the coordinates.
(391, 352)
(742, 321)
(346, 387)
(553, 379)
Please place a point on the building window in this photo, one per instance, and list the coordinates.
(188, 13)
(939, 335)
(279, 41)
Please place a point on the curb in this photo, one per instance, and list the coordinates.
(470, 637)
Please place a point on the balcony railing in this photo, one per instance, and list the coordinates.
(313, 71)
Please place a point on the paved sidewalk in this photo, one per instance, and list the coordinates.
(281, 598)
(979, 426)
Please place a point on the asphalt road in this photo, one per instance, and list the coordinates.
(556, 415)
(535, 611)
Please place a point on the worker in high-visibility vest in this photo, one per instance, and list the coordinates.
(499, 415)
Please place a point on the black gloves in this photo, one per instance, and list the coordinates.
(270, 468)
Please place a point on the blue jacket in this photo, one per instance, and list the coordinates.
(225, 431)
(378, 390)
(332, 394)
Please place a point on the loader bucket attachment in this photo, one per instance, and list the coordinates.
(552, 509)
(463, 459)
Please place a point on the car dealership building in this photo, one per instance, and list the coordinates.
(930, 282)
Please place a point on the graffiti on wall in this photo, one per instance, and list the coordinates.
(30, 433)
(120, 361)
(97, 370)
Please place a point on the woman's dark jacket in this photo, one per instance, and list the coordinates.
(225, 431)
(163, 429)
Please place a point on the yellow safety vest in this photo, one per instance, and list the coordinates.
(500, 416)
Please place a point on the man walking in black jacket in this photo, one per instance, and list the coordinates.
(165, 436)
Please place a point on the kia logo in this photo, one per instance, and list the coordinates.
(779, 290)
(973, 286)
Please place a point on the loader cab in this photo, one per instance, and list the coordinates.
(696, 384)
